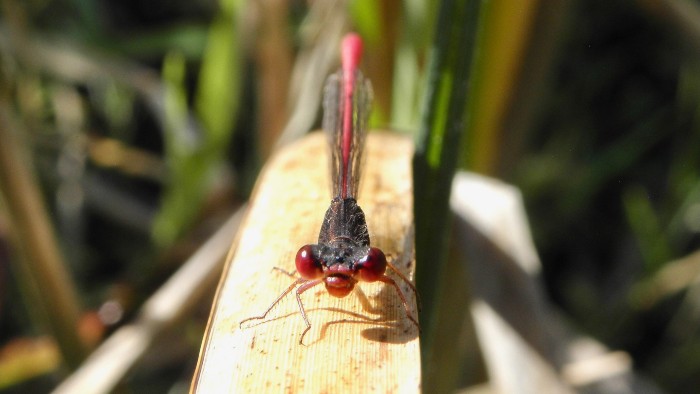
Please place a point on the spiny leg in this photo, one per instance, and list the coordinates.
(291, 273)
(277, 300)
(306, 286)
(392, 282)
(405, 279)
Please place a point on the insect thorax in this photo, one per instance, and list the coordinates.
(344, 224)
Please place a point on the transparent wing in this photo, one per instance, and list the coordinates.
(333, 113)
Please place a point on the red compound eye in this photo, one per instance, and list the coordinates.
(372, 266)
(308, 265)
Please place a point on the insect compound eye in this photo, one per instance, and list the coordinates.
(308, 265)
(372, 266)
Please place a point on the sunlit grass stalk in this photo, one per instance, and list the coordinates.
(497, 76)
(437, 147)
(48, 291)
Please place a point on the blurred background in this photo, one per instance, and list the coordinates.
(131, 130)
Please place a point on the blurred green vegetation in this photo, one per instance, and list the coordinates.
(192, 158)
(146, 121)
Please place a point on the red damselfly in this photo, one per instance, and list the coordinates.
(343, 255)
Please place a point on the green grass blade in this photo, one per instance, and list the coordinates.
(437, 147)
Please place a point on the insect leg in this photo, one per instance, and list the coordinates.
(392, 282)
(405, 279)
(277, 300)
(291, 273)
(306, 286)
